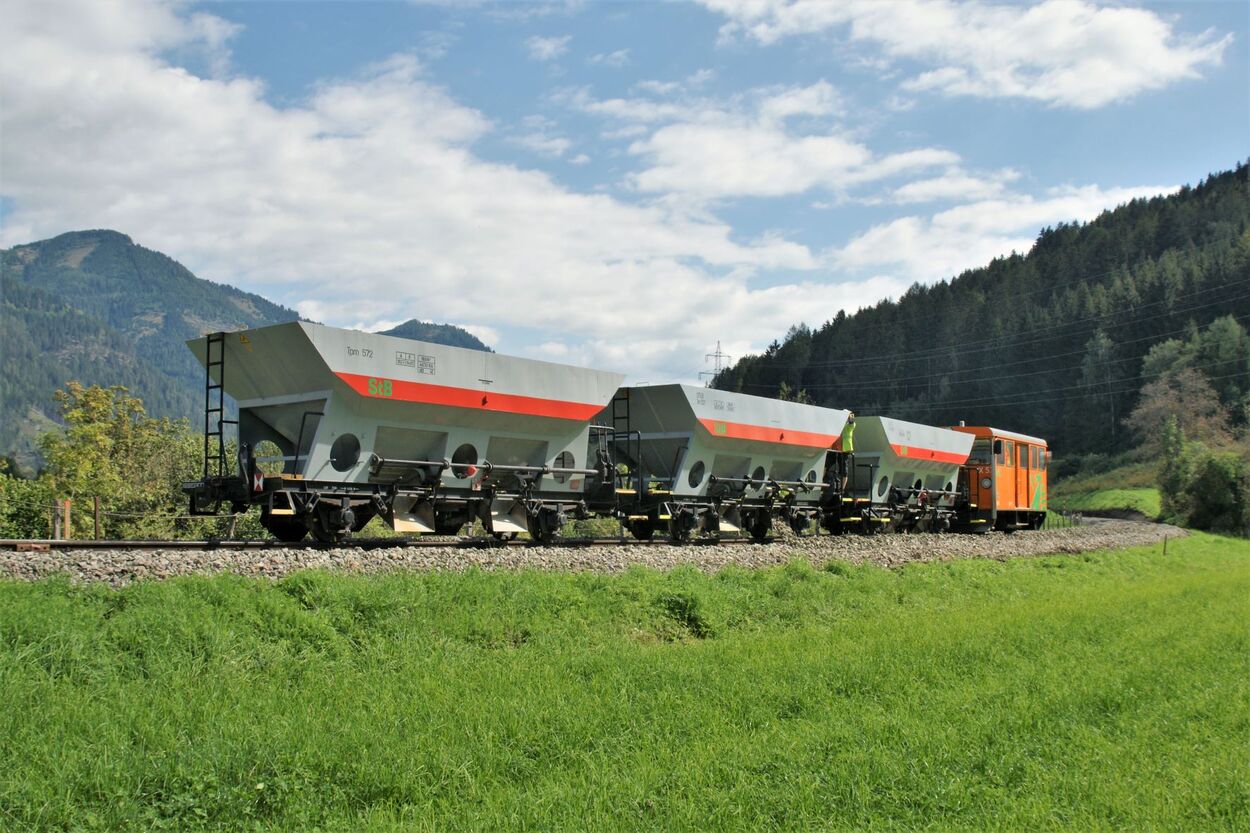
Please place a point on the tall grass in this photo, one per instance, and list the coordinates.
(1093, 692)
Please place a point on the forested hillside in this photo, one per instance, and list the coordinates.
(437, 333)
(94, 307)
(1054, 342)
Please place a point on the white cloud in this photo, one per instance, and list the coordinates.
(542, 138)
(1068, 53)
(967, 236)
(364, 203)
(690, 82)
(547, 49)
(705, 148)
(955, 185)
(544, 145)
(819, 99)
(487, 335)
(616, 59)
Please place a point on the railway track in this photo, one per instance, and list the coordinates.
(47, 544)
(120, 563)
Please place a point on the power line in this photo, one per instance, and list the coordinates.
(1000, 342)
(983, 372)
(979, 403)
(717, 356)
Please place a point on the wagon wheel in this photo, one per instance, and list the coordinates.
(328, 535)
(681, 527)
(543, 525)
(642, 530)
(799, 524)
(760, 525)
(364, 514)
(287, 529)
(504, 536)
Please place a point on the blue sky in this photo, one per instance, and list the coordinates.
(614, 184)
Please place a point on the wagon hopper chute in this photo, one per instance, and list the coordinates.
(703, 461)
(903, 475)
(337, 426)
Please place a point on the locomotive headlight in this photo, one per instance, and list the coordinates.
(986, 483)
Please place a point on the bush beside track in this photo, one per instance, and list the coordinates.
(1095, 691)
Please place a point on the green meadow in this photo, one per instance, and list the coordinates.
(1102, 691)
(1145, 501)
(1131, 486)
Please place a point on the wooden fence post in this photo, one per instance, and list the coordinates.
(69, 526)
(96, 507)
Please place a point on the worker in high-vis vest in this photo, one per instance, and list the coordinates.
(846, 444)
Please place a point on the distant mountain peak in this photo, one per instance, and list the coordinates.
(448, 334)
(97, 307)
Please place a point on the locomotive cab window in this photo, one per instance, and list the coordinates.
(1009, 454)
(998, 453)
(980, 455)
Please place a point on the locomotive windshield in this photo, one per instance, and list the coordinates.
(980, 455)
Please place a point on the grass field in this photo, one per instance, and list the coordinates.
(1131, 486)
(1105, 691)
(1145, 501)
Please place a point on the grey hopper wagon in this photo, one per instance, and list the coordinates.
(336, 426)
(904, 475)
(707, 461)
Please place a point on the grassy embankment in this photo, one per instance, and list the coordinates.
(1100, 691)
(1132, 487)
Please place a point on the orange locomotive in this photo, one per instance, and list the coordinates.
(1005, 479)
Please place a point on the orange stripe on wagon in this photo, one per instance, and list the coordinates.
(914, 453)
(480, 400)
(770, 434)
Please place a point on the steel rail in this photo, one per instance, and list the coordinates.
(45, 544)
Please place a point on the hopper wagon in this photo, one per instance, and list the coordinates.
(338, 426)
(702, 461)
(902, 476)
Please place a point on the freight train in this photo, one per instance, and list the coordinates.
(336, 427)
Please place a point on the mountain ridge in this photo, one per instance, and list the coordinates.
(1053, 342)
(96, 307)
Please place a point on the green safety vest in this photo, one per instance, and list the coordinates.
(848, 438)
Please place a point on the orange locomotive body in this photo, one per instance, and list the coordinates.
(1005, 479)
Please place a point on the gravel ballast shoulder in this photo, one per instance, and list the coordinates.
(121, 567)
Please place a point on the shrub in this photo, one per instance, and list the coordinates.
(1219, 494)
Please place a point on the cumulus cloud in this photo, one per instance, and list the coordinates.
(1068, 53)
(748, 145)
(543, 137)
(955, 185)
(365, 202)
(966, 236)
(547, 49)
